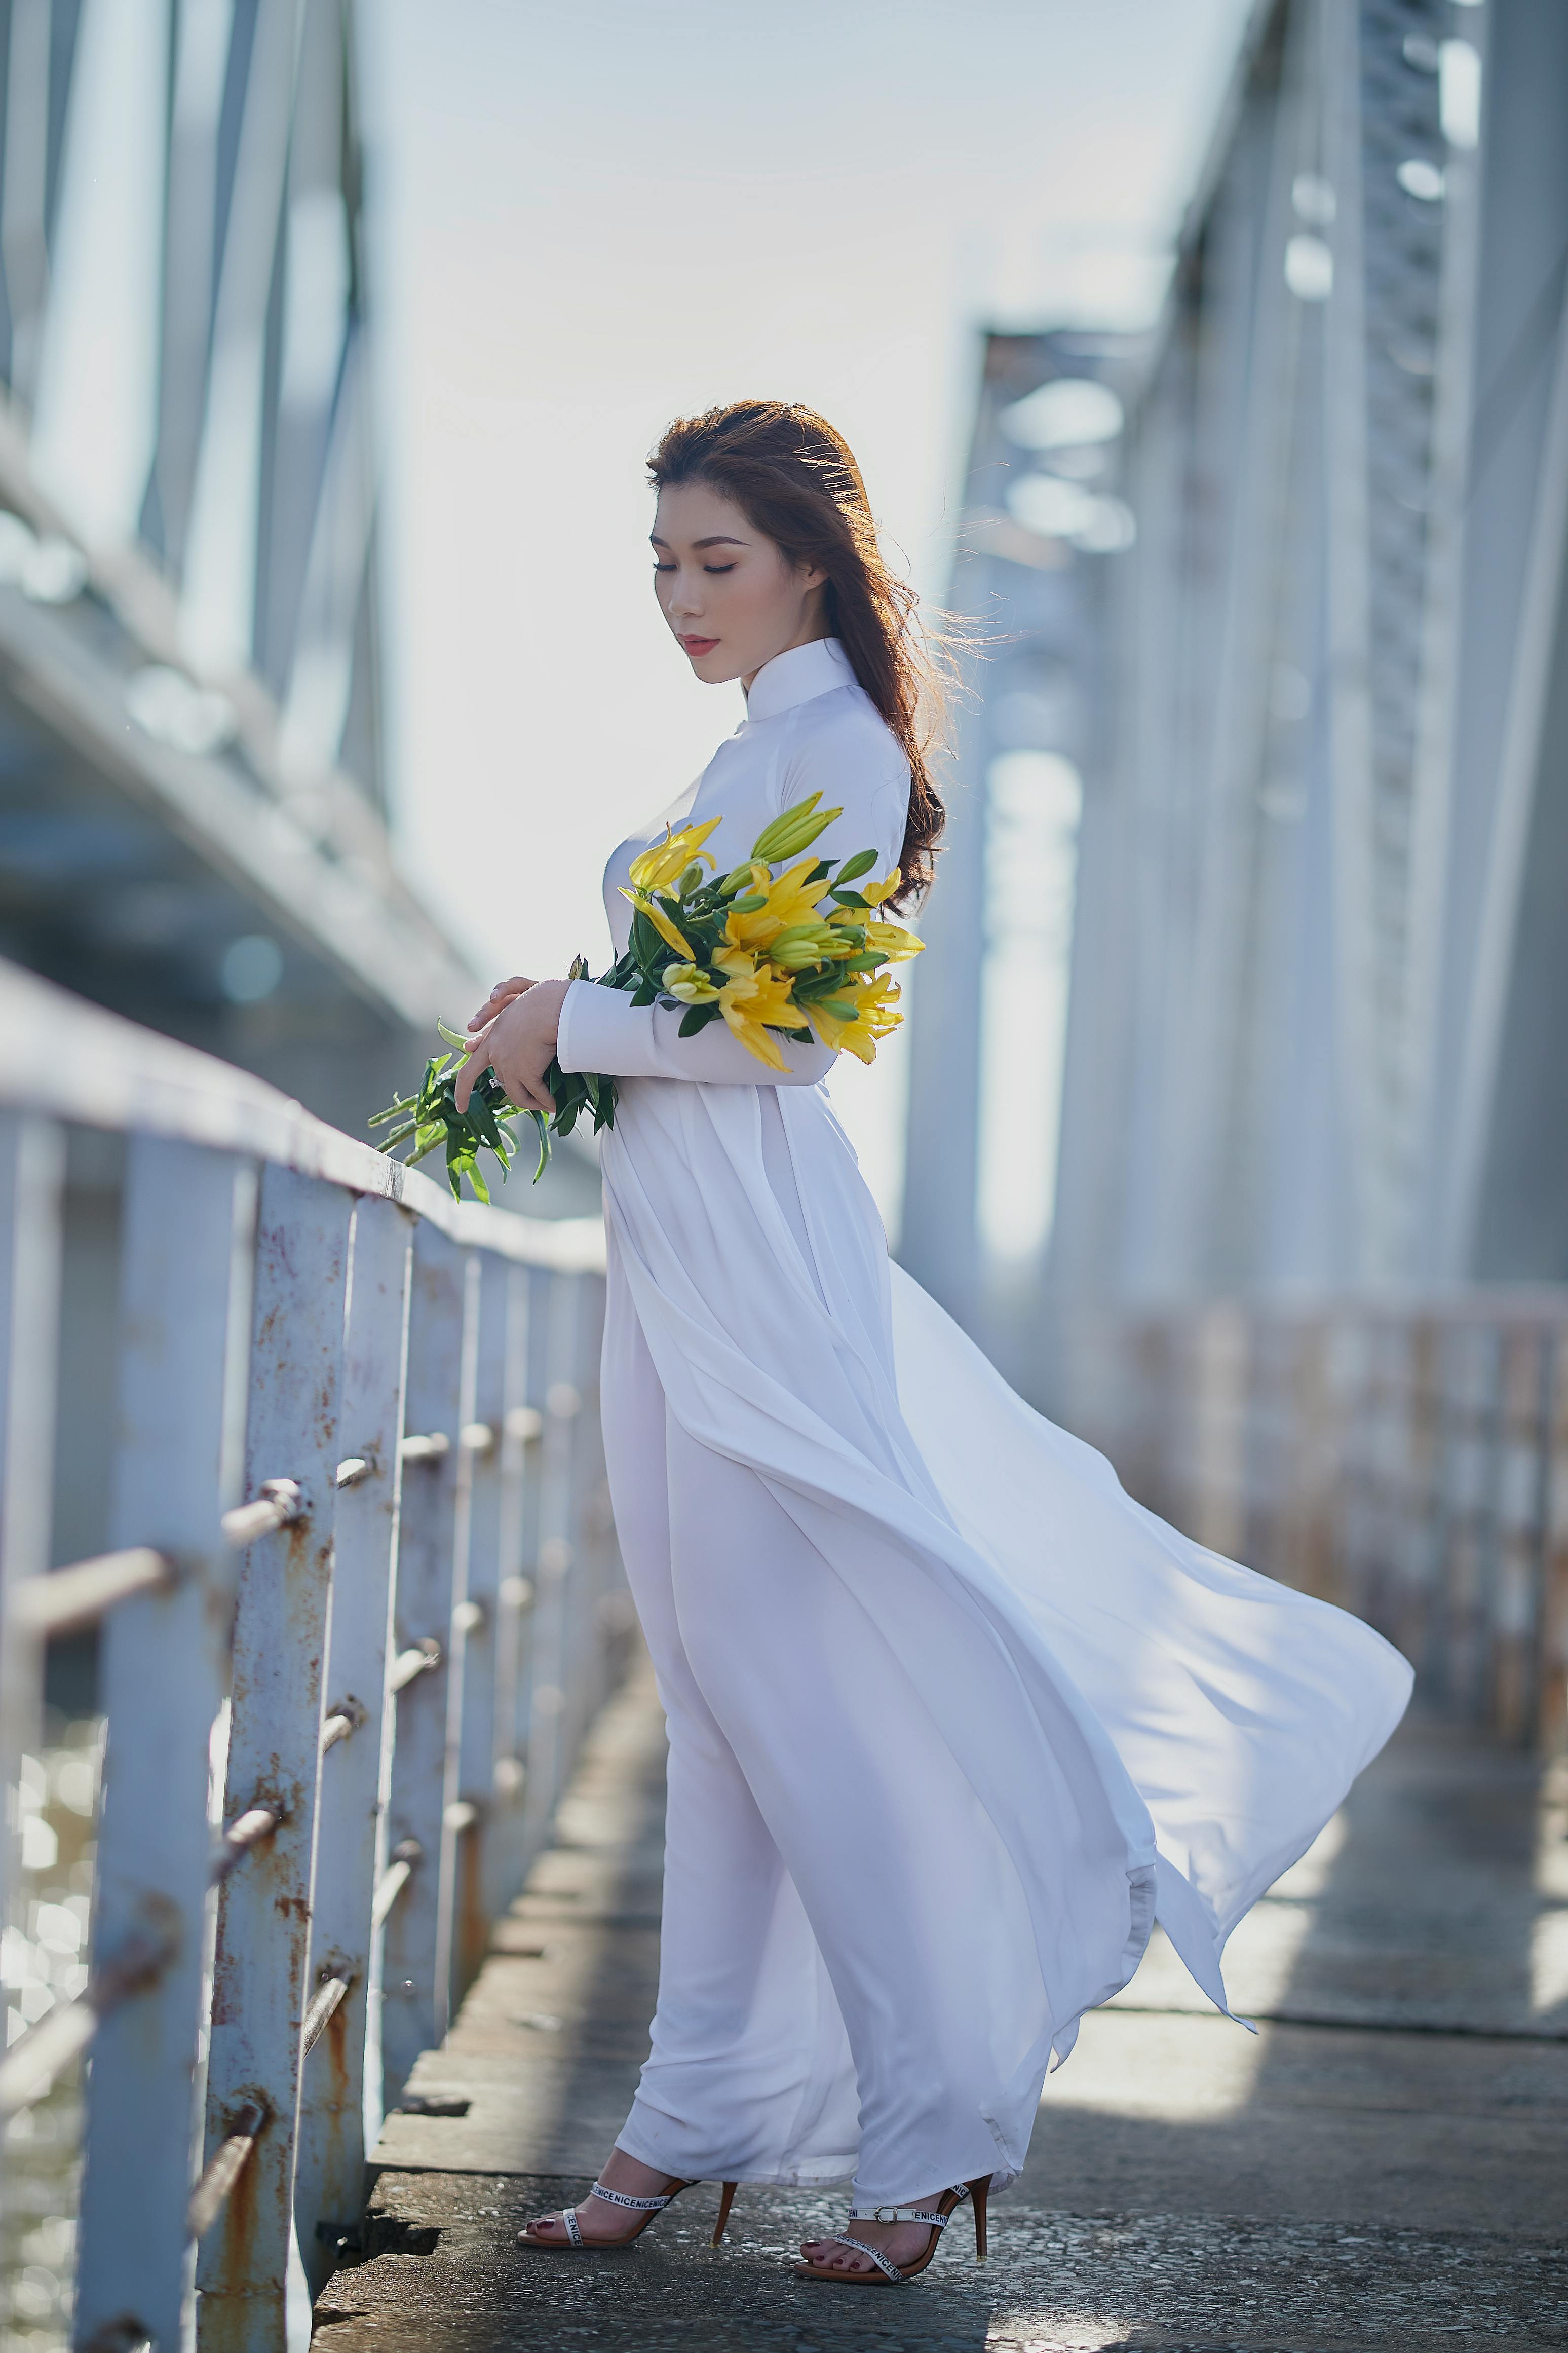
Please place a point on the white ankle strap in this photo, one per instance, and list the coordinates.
(638, 2205)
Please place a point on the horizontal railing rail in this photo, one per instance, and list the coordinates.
(357, 1599)
(1405, 1457)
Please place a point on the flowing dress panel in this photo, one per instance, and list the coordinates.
(1242, 1709)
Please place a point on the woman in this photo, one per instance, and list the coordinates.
(951, 1719)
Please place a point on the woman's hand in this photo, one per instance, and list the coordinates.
(501, 996)
(518, 1043)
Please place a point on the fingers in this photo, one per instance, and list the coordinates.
(525, 1093)
(467, 1078)
(503, 994)
(516, 1045)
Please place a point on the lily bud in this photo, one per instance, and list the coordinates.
(792, 830)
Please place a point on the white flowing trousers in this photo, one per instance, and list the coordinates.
(791, 1885)
(951, 1716)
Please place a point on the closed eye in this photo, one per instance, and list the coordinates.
(718, 567)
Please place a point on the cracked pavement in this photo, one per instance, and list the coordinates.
(1383, 2166)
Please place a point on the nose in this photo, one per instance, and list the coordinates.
(685, 599)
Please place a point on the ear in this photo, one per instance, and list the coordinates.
(812, 575)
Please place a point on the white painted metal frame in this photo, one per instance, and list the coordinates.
(390, 1397)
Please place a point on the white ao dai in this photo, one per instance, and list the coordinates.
(953, 1720)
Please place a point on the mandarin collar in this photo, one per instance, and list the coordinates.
(798, 676)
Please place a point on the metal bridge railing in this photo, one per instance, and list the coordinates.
(361, 1602)
(1408, 1459)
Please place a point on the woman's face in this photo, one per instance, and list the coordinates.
(730, 594)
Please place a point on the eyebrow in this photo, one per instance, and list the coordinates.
(718, 539)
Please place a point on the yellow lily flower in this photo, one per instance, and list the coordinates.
(691, 984)
(875, 892)
(842, 1035)
(662, 924)
(874, 1017)
(893, 940)
(790, 901)
(668, 858)
(752, 1001)
(878, 994)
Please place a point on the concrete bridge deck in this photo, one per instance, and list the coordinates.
(1385, 2166)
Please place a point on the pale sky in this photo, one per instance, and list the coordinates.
(594, 215)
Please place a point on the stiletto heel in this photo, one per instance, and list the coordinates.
(936, 2222)
(726, 2199)
(978, 2193)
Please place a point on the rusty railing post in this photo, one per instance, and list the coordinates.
(426, 1556)
(521, 1425)
(189, 1226)
(328, 2176)
(260, 1989)
(483, 1439)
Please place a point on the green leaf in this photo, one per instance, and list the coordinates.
(847, 898)
(541, 1123)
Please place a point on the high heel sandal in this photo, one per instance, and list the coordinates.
(575, 2243)
(975, 2191)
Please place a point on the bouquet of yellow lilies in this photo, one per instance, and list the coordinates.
(801, 953)
(797, 955)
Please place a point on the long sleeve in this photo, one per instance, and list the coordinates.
(603, 1031)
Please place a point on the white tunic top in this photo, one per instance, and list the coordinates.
(1139, 1727)
(809, 727)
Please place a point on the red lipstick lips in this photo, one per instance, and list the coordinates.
(699, 645)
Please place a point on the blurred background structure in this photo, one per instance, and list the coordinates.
(1322, 926)
(1295, 578)
(193, 798)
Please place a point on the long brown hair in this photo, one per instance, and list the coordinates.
(796, 480)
